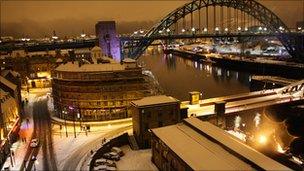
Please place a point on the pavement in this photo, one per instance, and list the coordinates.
(19, 148)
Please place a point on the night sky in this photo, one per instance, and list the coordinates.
(37, 19)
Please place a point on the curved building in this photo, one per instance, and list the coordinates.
(99, 91)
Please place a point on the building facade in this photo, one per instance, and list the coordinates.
(153, 112)
(10, 109)
(99, 91)
(197, 145)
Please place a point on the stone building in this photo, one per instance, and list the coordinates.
(197, 145)
(152, 112)
(97, 91)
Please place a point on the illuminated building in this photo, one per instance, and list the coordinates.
(97, 91)
(152, 112)
(108, 39)
(198, 145)
(9, 111)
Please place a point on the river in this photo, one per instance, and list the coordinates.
(179, 76)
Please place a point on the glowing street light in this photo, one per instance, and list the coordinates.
(239, 28)
(217, 29)
(246, 29)
(281, 28)
(193, 29)
(55, 37)
(265, 29)
(260, 28)
(299, 28)
(262, 139)
(141, 31)
(205, 29)
(226, 29)
(183, 30)
(168, 30)
(135, 32)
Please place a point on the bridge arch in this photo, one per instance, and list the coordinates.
(251, 7)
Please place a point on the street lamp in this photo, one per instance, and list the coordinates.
(239, 28)
(74, 118)
(193, 29)
(205, 30)
(64, 112)
(79, 118)
(168, 30)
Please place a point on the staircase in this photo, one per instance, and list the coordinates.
(133, 142)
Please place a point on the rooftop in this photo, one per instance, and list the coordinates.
(74, 67)
(8, 83)
(3, 93)
(129, 60)
(211, 148)
(154, 100)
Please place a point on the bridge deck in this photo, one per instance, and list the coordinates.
(252, 101)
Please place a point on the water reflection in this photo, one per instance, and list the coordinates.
(178, 76)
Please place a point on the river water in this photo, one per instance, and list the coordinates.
(178, 76)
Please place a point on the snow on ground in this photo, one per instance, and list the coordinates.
(135, 160)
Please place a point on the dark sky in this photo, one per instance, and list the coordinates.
(39, 18)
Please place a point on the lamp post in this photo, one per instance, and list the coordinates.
(79, 118)
(64, 112)
(74, 118)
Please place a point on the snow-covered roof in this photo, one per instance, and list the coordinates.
(5, 72)
(129, 60)
(154, 100)
(96, 48)
(8, 83)
(74, 67)
(200, 145)
(3, 93)
(59, 60)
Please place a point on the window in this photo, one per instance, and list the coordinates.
(159, 114)
(160, 124)
(148, 114)
(146, 127)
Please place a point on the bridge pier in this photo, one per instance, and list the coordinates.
(219, 110)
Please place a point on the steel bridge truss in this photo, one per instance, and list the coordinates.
(252, 8)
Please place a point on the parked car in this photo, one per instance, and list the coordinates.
(100, 167)
(103, 161)
(118, 151)
(34, 143)
(111, 156)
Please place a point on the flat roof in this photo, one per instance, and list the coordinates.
(74, 67)
(191, 141)
(154, 100)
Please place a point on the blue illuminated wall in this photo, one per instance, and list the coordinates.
(108, 39)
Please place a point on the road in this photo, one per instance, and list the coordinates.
(75, 158)
(43, 132)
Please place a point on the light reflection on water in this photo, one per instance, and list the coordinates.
(178, 76)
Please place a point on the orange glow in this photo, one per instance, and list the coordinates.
(280, 149)
(262, 139)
